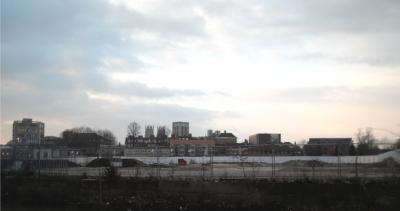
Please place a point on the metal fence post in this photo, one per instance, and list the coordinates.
(356, 164)
(273, 163)
(212, 161)
(338, 165)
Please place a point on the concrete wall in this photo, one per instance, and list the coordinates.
(258, 159)
(83, 161)
(278, 159)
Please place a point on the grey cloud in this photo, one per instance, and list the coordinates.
(352, 16)
(310, 56)
(54, 34)
(74, 107)
(387, 96)
(285, 26)
(138, 89)
(379, 60)
(310, 94)
(313, 16)
(229, 114)
(167, 25)
(42, 39)
(379, 95)
(46, 102)
(373, 61)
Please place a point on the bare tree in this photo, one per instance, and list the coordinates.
(163, 132)
(83, 129)
(366, 141)
(134, 129)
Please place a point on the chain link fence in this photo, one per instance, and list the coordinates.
(236, 162)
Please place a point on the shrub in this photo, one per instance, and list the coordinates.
(111, 174)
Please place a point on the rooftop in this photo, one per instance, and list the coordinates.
(192, 142)
(330, 140)
(226, 135)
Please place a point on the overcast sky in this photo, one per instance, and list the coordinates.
(301, 68)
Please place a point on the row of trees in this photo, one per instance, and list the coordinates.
(95, 137)
(134, 130)
(106, 133)
(368, 144)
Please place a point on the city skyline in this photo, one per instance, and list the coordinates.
(304, 69)
(148, 131)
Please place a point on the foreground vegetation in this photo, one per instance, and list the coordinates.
(24, 191)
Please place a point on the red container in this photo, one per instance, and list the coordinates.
(182, 162)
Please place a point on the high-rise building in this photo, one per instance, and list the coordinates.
(265, 138)
(28, 131)
(149, 131)
(180, 129)
(209, 133)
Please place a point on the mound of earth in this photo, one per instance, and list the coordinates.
(131, 163)
(99, 162)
